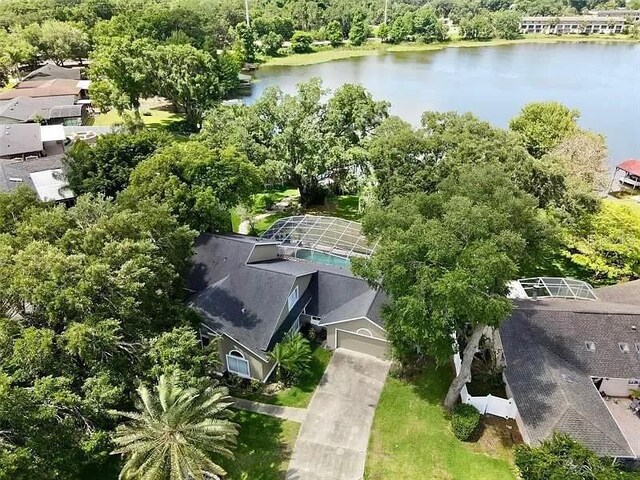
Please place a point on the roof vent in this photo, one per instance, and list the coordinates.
(15, 179)
(624, 347)
(591, 346)
(634, 328)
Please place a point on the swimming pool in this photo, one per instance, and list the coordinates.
(323, 258)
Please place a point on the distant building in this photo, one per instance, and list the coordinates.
(54, 87)
(629, 15)
(50, 110)
(51, 70)
(584, 25)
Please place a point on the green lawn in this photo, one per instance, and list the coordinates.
(264, 223)
(300, 394)
(158, 118)
(264, 447)
(343, 206)
(411, 437)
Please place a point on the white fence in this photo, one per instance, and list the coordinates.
(489, 404)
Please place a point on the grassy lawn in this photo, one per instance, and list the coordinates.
(158, 118)
(264, 223)
(343, 206)
(264, 447)
(411, 437)
(299, 395)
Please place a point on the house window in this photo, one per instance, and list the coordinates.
(590, 346)
(295, 328)
(237, 364)
(205, 341)
(293, 297)
(364, 331)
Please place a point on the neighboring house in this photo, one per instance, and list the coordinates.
(250, 293)
(49, 110)
(51, 70)
(54, 87)
(20, 140)
(42, 175)
(630, 15)
(584, 25)
(571, 364)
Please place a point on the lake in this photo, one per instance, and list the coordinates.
(602, 80)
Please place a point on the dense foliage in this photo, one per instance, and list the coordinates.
(561, 457)
(464, 420)
(176, 432)
(292, 357)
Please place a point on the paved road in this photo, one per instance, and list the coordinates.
(333, 439)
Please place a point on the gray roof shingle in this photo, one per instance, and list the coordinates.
(51, 70)
(19, 138)
(13, 170)
(549, 368)
(627, 293)
(24, 109)
(245, 301)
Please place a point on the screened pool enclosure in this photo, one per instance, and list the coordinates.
(327, 240)
(551, 287)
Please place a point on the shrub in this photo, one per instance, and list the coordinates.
(271, 43)
(301, 42)
(464, 420)
(292, 357)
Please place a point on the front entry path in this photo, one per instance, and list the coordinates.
(285, 413)
(333, 439)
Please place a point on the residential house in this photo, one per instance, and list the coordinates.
(572, 358)
(583, 25)
(251, 291)
(49, 110)
(48, 88)
(629, 15)
(51, 70)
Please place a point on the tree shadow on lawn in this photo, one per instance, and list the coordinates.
(263, 449)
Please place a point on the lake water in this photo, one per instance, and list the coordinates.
(602, 80)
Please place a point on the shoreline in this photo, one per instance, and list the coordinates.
(376, 48)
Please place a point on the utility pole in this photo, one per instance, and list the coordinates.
(386, 8)
(246, 12)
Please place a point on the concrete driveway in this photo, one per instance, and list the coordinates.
(333, 439)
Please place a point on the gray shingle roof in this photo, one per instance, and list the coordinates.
(549, 368)
(51, 70)
(19, 138)
(626, 293)
(23, 109)
(12, 170)
(245, 301)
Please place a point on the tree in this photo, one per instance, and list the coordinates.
(271, 43)
(247, 42)
(298, 138)
(200, 185)
(383, 33)
(60, 41)
(176, 432)
(427, 26)
(301, 42)
(189, 78)
(128, 66)
(292, 357)
(563, 457)
(479, 27)
(84, 287)
(506, 24)
(359, 32)
(445, 259)
(543, 125)
(104, 168)
(334, 33)
(606, 244)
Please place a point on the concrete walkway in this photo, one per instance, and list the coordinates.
(286, 413)
(333, 439)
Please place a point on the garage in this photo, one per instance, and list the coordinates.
(362, 342)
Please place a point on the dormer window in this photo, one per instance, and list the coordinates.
(624, 347)
(591, 346)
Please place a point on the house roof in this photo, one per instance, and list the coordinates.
(630, 166)
(19, 138)
(246, 301)
(51, 185)
(51, 70)
(42, 88)
(16, 173)
(549, 368)
(24, 109)
(627, 293)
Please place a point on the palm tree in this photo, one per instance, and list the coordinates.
(292, 357)
(176, 433)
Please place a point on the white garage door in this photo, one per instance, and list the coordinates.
(362, 343)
